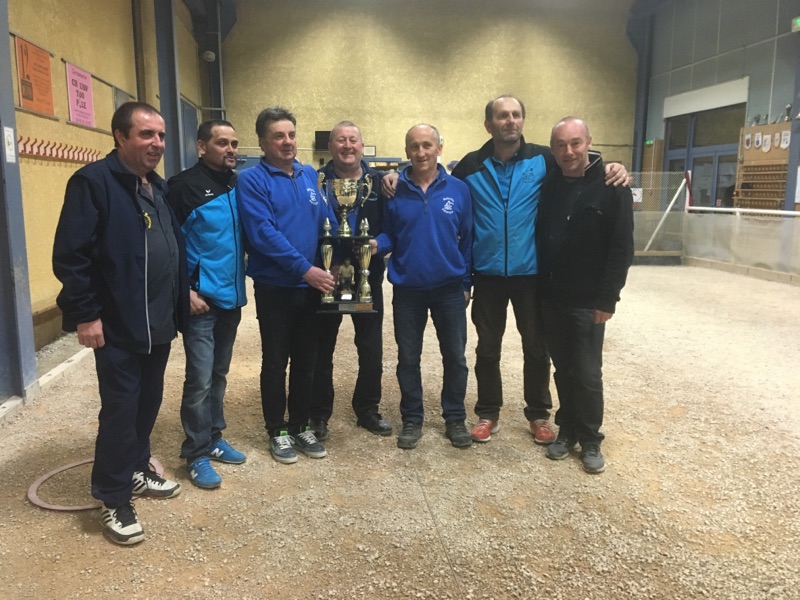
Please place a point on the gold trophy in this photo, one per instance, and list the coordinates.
(327, 255)
(364, 256)
(346, 192)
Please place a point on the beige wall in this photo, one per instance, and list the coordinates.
(388, 66)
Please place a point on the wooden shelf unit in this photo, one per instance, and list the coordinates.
(761, 176)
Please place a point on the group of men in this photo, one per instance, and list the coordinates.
(140, 259)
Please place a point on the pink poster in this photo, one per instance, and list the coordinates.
(79, 92)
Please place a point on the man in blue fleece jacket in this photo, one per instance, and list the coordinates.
(283, 214)
(428, 229)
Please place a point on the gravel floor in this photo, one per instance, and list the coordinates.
(700, 498)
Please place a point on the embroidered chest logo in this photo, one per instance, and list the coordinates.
(312, 196)
(528, 176)
(209, 193)
(448, 206)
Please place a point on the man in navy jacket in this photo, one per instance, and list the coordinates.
(119, 255)
(204, 200)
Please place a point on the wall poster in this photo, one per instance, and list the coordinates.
(79, 93)
(35, 81)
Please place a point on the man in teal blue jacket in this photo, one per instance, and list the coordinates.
(204, 200)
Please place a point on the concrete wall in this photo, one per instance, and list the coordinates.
(388, 66)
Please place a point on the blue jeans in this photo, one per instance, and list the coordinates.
(208, 340)
(491, 296)
(448, 311)
(576, 345)
(131, 388)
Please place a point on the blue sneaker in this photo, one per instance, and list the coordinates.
(202, 474)
(223, 452)
(281, 448)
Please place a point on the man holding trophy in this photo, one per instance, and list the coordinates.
(348, 179)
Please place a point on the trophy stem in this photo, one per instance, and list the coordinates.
(327, 255)
(364, 289)
(344, 226)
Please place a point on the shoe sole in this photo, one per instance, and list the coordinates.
(594, 471)
(285, 460)
(407, 445)
(202, 486)
(227, 462)
(157, 493)
(123, 540)
(309, 454)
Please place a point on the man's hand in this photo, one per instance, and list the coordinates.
(389, 184)
(617, 174)
(601, 316)
(374, 245)
(197, 305)
(91, 334)
(319, 279)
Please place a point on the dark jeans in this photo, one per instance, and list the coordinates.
(208, 339)
(576, 345)
(131, 389)
(448, 312)
(369, 343)
(491, 296)
(286, 322)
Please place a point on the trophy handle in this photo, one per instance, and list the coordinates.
(366, 187)
(321, 186)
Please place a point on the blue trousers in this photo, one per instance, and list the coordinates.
(208, 339)
(448, 312)
(131, 389)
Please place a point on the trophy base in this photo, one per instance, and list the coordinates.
(346, 307)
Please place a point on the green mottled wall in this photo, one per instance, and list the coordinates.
(389, 65)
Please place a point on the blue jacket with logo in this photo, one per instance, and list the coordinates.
(504, 231)
(204, 201)
(283, 217)
(428, 233)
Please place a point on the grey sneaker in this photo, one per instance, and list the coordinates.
(409, 436)
(281, 448)
(458, 435)
(307, 443)
(592, 458)
(559, 449)
(121, 524)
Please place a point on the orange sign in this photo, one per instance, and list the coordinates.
(35, 81)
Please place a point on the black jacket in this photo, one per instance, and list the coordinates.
(100, 257)
(584, 253)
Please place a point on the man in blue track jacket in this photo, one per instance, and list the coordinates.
(204, 200)
(283, 214)
(428, 229)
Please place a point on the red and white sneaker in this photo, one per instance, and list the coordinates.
(542, 432)
(482, 432)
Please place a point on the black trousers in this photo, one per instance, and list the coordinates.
(131, 389)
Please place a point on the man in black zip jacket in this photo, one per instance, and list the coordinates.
(584, 239)
(119, 255)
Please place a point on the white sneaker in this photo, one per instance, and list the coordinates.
(147, 483)
(121, 524)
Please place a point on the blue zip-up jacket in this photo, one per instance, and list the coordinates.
(504, 231)
(204, 201)
(428, 233)
(282, 216)
(100, 254)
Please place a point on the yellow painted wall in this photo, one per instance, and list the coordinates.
(388, 66)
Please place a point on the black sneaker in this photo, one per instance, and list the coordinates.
(307, 443)
(592, 458)
(148, 483)
(280, 445)
(409, 436)
(121, 524)
(320, 429)
(458, 435)
(375, 424)
(559, 449)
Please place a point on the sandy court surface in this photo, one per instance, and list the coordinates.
(700, 498)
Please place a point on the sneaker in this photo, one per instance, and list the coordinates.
(121, 524)
(202, 474)
(223, 452)
(148, 483)
(482, 432)
(559, 449)
(307, 443)
(458, 435)
(542, 432)
(409, 436)
(592, 458)
(281, 447)
(375, 424)
(320, 429)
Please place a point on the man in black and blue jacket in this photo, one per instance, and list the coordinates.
(204, 200)
(346, 146)
(119, 255)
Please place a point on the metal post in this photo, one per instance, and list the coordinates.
(169, 85)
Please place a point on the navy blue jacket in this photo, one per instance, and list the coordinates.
(504, 232)
(100, 254)
(204, 201)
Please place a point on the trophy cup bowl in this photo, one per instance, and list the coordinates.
(346, 192)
